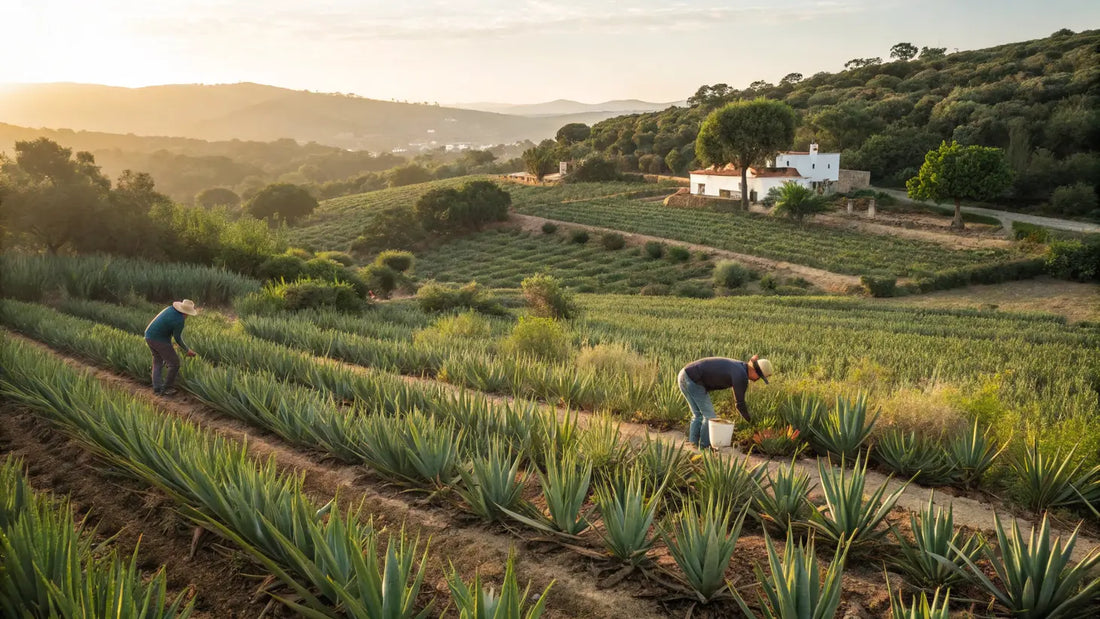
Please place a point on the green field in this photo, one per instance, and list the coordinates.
(831, 249)
(502, 258)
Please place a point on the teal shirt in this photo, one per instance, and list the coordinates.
(167, 325)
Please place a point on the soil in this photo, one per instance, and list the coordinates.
(1076, 301)
(825, 280)
(922, 228)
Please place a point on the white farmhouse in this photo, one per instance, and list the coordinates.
(725, 182)
(821, 169)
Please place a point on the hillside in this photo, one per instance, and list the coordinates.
(264, 113)
(567, 106)
(1039, 100)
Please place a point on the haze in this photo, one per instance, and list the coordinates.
(493, 50)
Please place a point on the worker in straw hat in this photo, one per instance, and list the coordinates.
(699, 378)
(168, 325)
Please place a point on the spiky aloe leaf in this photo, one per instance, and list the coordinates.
(794, 588)
(628, 509)
(970, 455)
(782, 498)
(727, 480)
(1037, 577)
(666, 463)
(938, 554)
(921, 608)
(844, 429)
(475, 601)
(849, 517)
(702, 541)
(1046, 479)
(913, 456)
(491, 482)
(565, 486)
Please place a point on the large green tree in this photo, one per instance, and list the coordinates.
(956, 172)
(745, 134)
(903, 51)
(572, 133)
(284, 200)
(542, 159)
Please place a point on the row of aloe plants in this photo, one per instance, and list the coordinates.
(1044, 480)
(490, 486)
(51, 564)
(219, 487)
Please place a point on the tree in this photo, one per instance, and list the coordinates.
(932, 53)
(482, 202)
(572, 133)
(411, 174)
(434, 207)
(958, 172)
(393, 227)
(540, 160)
(284, 200)
(903, 51)
(795, 201)
(790, 78)
(859, 63)
(217, 196)
(675, 161)
(745, 133)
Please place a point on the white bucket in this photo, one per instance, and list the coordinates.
(721, 433)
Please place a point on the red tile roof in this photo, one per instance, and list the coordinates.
(794, 152)
(729, 170)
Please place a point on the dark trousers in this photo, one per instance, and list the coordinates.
(164, 357)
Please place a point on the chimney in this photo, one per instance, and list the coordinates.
(813, 148)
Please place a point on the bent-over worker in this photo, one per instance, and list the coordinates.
(700, 377)
(168, 325)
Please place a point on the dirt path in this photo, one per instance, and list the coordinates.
(895, 226)
(468, 547)
(1007, 217)
(1075, 300)
(120, 508)
(831, 282)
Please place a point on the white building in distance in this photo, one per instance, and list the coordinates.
(725, 181)
(821, 169)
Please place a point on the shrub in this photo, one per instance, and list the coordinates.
(677, 253)
(546, 297)
(298, 252)
(330, 270)
(436, 297)
(400, 261)
(549, 228)
(282, 200)
(1076, 199)
(1076, 260)
(579, 236)
(543, 338)
(654, 249)
(655, 290)
(881, 285)
(380, 279)
(594, 169)
(694, 290)
(464, 326)
(302, 294)
(337, 256)
(612, 241)
(1032, 233)
(730, 274)
(282, 267)
(769, 282)
(616, 359)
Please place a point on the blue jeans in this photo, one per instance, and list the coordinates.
(702, 410)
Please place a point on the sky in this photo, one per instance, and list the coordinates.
(512, 51)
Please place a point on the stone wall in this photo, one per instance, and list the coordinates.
(852, 180)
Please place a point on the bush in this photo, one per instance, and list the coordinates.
(464, 326)
(546, 297)
(1076, 199)
(283, 267)
(542, 338)
(654, 249)
(612, 241)
(579, 236)
(436, 297)
(1076, 260)
(881, 285)
(380, 279)
(768, 282)
(282, 200)
(729, 274)
(617, 360)
(677, 253)
(302, 294)
(330, 270)
(337, 256)
(1030, 232)
(594, 169)
(655, 290)
(694, 290)
(298, 252)
(399, 261)
(549, 228)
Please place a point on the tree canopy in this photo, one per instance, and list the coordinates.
(283, 200)
(956, 172)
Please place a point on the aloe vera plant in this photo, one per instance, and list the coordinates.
(702, 540)
(970, 455)
(664, 462)
(848, 517)
(628, 508)
(938, 555)
(602, 446)
(842, 430)
(475, 601)
(727, 480)
(565, 486)
(782, 499)
(491, 482)
(803, 413)
(794, 587)
(921, 608)
(911, 455)
(1047, 480)
(1037, 576)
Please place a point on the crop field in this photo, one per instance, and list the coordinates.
(450, 478)
(831, 249)
(502, 258)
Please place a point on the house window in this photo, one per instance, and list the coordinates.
(829, 166)
(702, 188)
(813, 166)
(724, 193)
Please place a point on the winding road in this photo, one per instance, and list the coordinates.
(1007, 217)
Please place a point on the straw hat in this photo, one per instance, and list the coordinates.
(187, 306)
(764, 368)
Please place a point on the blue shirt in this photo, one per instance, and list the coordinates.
(168, 325)
(717, 373)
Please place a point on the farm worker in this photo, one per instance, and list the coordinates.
(699, 378)
(168, 325)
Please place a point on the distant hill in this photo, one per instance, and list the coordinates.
(567, 106)
(264, 113)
